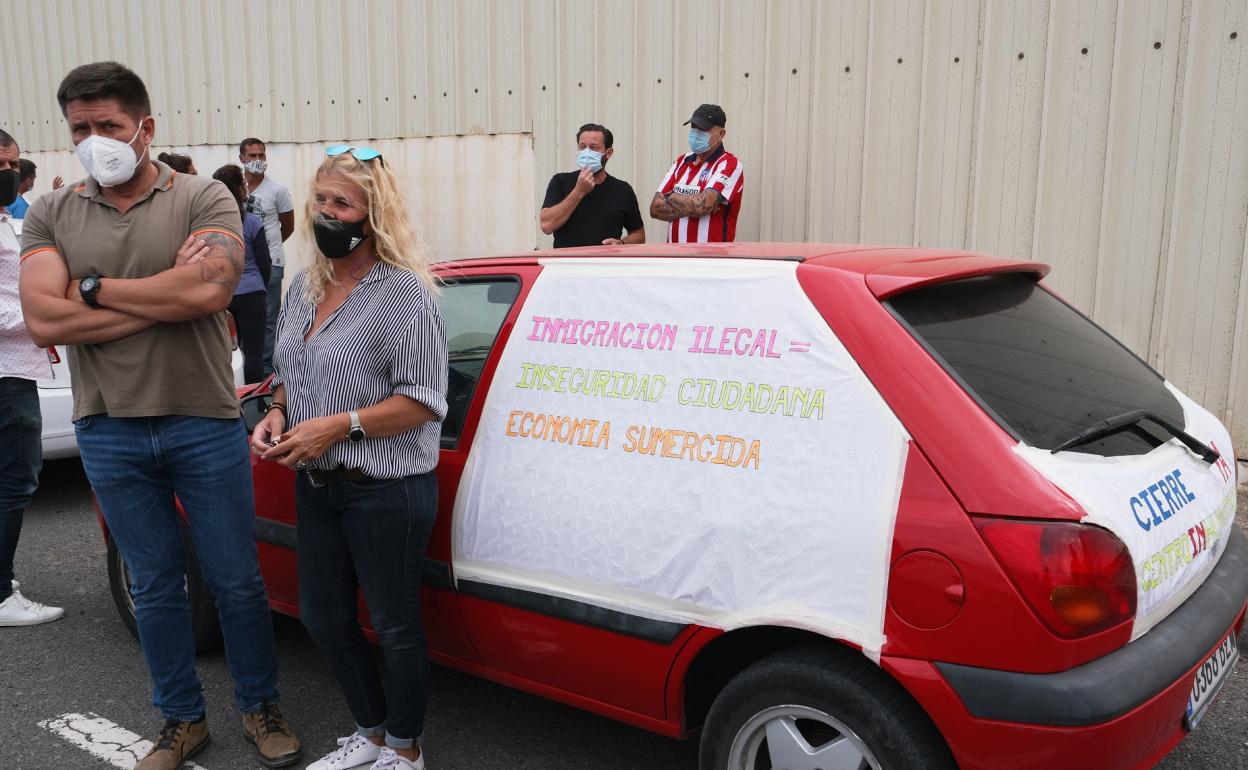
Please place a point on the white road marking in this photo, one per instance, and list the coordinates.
(103, 739)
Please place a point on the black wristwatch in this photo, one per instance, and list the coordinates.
(356, 433)
(88, 287)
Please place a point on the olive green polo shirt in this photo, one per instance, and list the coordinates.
(178, 368)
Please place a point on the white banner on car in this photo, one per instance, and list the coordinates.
(1173, 510)
(684, 440)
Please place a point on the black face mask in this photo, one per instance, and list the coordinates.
(8, 186)
(337, 239)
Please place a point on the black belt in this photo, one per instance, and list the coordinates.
(320, 478)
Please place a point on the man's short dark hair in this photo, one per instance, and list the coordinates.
(607, 138)
(6, 139)
(249, 141)
(106, 80)
(25, 169)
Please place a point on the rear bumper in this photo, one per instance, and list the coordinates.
(1122, 711)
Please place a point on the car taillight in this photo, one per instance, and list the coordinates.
(1078, 578)
(233, 327)
(53, 357)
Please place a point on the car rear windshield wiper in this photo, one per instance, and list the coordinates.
(1120, 421)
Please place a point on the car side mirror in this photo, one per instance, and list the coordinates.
(253, 409)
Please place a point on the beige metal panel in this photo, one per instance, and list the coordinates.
(411, 61)
(946, 123)
(1073, 136)
(542, 86)
(505, 60)
(1137, 167)
(1008, 145)
(474, 35)
(657, 135)
(780, 170)
(615, 107)
(440, 43)
(890, 153)
(1236, 414)
(744, 61)
(1210, 208)
(839, 95)
(380, 85)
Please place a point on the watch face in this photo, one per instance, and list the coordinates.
(356, 434)
(89, 284)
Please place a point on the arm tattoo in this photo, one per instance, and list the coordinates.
(682, 205)
(224, 261)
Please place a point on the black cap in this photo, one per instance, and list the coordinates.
(707, 116)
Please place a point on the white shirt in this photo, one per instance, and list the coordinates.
(19, 355)
(267, 201)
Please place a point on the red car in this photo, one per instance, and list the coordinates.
(824, 506)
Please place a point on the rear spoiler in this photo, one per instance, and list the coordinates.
(899, 277)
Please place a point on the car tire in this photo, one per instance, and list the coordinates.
(818, 699)
(205, 623)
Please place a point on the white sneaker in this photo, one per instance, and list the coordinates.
(17, 610)
(390, 760)
(353, 751)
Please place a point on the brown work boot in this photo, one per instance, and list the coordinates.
(276, 742)
(178, 741)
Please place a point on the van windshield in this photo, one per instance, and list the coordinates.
(1042, 370)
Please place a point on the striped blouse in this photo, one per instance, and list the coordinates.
(387, 338)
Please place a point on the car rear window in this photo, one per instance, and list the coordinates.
(1043, 370)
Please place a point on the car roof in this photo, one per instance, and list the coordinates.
(888, 269)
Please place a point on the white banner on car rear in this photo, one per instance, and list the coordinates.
(688, 441)
(1173, 510)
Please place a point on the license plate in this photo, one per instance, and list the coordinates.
(1210, 677)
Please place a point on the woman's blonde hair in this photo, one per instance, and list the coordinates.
(395, 239)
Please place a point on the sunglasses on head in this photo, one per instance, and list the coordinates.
(362, 154)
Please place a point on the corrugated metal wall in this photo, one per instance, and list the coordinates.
(1107, 137)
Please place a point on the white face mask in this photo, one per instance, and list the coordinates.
(108, 161)
(256, 167)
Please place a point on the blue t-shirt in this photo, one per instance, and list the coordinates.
(253, 240)
(17, 209)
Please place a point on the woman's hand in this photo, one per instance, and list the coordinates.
(269, 427)
(308, 440)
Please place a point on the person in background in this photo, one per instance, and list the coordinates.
(179, 163)
(701, 194)
(362, 365)
(589, 207)
(133, 269)
(26, 181)
(248, 305)
(22, 363)
(271, 201)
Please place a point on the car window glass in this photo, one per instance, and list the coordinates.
(473, 311)
(1039, 367)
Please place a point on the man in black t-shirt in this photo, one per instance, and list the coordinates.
(589, 207)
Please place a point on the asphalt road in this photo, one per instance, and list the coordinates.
(87, 664)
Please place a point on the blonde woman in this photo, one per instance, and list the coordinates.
(361, 361)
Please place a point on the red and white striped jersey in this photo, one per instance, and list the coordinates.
(721, 171)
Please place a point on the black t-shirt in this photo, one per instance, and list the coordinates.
(609, 211)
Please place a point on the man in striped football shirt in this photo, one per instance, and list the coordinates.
(701, 194)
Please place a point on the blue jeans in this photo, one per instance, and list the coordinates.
(136, 465)
(21, 435)
(369, 536)
(273, 306)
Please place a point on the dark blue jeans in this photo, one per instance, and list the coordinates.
(273, 306)
(370, 536)
(136, 465)
(21, 429)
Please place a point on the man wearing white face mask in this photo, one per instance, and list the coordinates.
(589, 207)
(132, 268)
(270, 200)
(701, 194)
